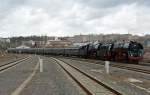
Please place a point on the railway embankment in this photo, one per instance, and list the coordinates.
(6, 58)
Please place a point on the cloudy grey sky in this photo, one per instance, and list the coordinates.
(71, 17)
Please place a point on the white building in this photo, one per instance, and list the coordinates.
(5, 40)
(22, 47)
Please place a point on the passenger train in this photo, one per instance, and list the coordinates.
(122, 52)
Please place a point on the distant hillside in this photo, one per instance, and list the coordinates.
(17, 41)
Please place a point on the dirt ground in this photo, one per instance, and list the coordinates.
(7, 57)
(146, 57)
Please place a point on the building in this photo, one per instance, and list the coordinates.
(28, 43)
(87, 38)
(4, 40)
(22, 47)
(51, 38)
(39, 44)
(80, 38)
(58, 44)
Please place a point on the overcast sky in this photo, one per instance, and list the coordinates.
(71, 17)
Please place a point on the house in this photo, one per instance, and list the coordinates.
(22, 47)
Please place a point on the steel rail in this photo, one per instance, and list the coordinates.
(11, 64)
(90, 77)
(117, 65)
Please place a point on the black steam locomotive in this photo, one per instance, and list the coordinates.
(123, 52)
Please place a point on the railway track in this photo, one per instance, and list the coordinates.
(118, 65)
(131, 68)
(70, 70)
(11, 64)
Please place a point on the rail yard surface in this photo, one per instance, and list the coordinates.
(9, 57)
(22, 75)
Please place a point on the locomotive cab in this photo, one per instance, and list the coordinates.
(128, 52)
(135, 51)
